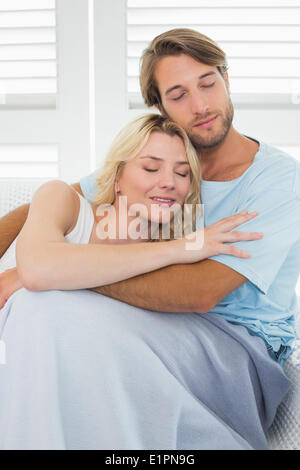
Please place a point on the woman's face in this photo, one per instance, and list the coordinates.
(158, 177)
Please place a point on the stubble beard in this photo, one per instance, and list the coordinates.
(210, 141)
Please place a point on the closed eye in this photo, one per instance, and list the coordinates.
(183, 175)
(208, 86)
(178, 97)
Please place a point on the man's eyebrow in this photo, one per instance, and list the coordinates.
(175, 87)
(207, 74)
(161, 159)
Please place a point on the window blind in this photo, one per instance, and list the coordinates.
(260, 37)
(29, 160)
(28, 69)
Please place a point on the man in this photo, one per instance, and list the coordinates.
(184, 74)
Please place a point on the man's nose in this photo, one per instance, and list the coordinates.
(199, 104)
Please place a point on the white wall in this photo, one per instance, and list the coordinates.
(67, 126)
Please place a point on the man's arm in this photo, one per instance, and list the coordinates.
(10, 226)
(12, 223)
(194, 287)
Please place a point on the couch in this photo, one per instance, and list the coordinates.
(284, 433)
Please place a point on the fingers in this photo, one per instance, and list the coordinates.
(229, 223)
(236, 236)
(234, 251)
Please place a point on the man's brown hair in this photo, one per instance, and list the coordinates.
(173, 43)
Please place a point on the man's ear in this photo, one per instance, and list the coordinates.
(161, 110)
(226, 78)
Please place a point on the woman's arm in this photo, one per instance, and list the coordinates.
(11, 223)
(46, 261)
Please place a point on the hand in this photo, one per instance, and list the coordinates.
(211, 240)
(9, 283)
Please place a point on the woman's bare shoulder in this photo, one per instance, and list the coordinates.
(59, 200)
(53, 186)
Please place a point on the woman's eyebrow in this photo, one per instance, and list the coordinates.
(161, 159)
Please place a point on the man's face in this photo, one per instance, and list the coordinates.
(195, 96)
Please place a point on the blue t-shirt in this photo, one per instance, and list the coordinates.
(266, 303)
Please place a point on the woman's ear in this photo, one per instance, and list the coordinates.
(117, 187)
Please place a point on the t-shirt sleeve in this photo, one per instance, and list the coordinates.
(279, 219)
(88, 185)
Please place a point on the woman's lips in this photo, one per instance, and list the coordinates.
(161, 203)
(206, 124)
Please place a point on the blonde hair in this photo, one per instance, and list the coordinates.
(127, 145)
(173, 43)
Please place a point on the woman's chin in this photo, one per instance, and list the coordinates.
(162, 219)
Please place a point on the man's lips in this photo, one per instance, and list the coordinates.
(205, 124)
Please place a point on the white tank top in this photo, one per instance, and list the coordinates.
(80, 234)
(82, 231)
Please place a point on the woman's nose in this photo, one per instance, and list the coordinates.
(167, 180)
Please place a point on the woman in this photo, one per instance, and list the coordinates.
(87, 372)
(151, 163)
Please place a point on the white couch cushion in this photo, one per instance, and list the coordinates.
(15, 192)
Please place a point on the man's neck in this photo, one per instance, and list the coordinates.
(228, 160)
